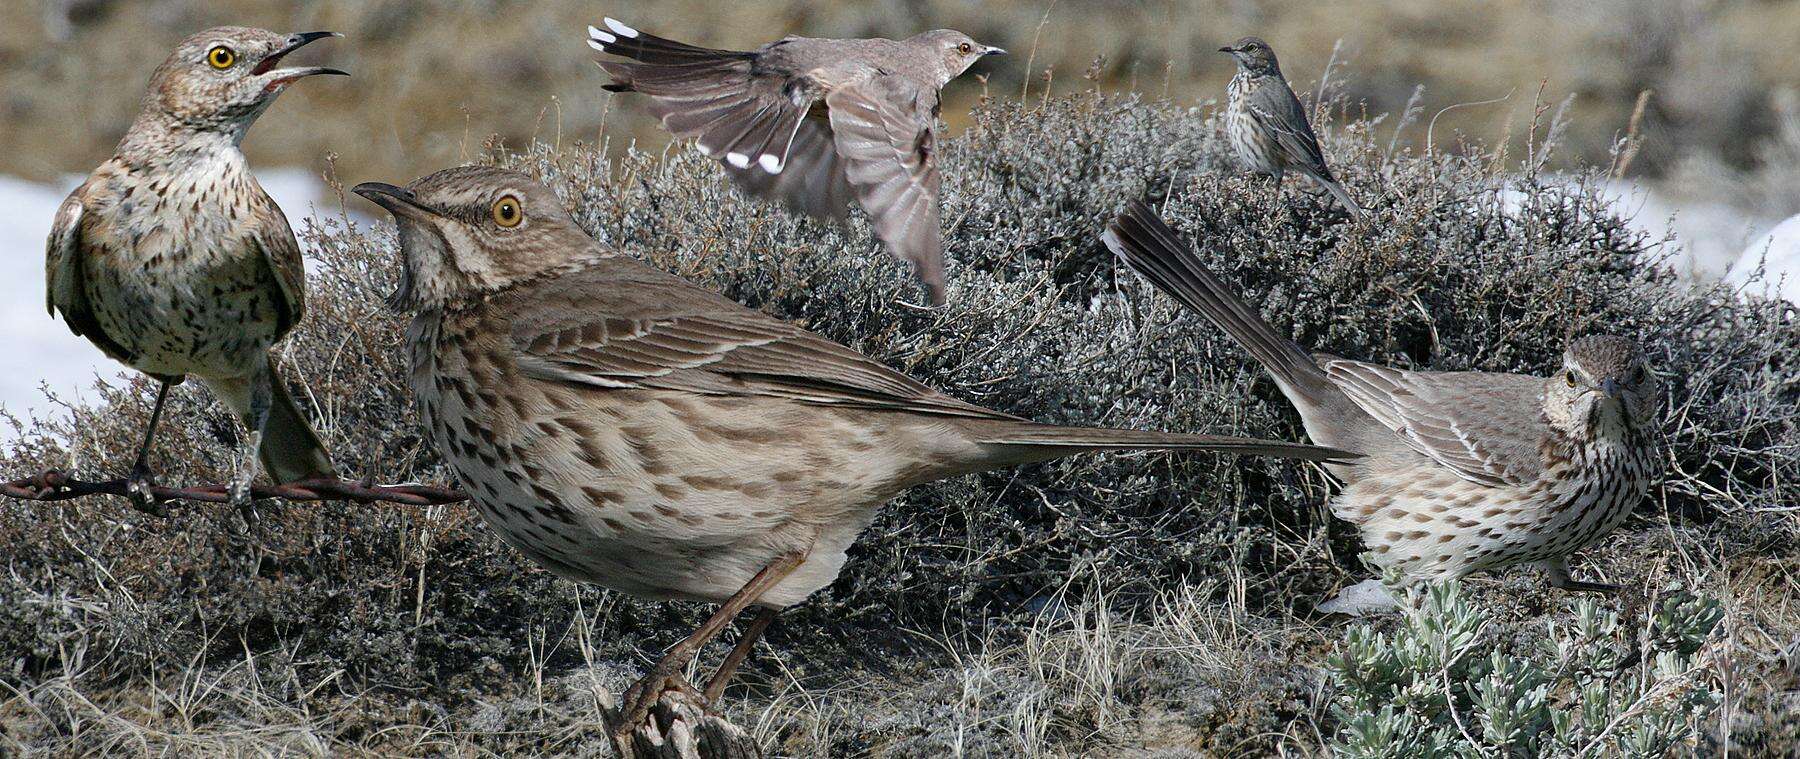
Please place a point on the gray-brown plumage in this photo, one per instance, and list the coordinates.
(174, 261)
(621, 426)
(1267, 126)
(1461, 471)
(814, 123)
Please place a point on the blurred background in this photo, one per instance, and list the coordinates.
(436, 80)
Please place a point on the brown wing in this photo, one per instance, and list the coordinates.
(885, 131)
(683, 338)
(282, 253)
(811, 181)
(1282, 117)
(1485, 427)
(65, 291)
(745, 115)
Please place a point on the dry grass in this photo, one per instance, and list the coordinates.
(1095, 606)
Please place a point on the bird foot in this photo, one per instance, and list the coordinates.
(138, 490)
(245, 476)
(643, 695)
(1361, 600)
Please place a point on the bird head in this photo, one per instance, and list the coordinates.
(474, 229)
(221, 79)
(956, 51)
(1253, 55)
(1604, 388)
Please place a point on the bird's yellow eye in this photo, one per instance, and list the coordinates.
(221, 57)
(507, 212)
(966, 48)
(1569, 378)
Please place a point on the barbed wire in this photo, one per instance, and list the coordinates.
(53, 485)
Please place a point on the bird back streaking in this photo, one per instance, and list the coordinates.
(1461, 472)
(621, 426)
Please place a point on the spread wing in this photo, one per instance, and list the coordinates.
(1281, 116)
(65, 291)
(1467, 421)
(812, 179)
(884, 127)
(684, 338)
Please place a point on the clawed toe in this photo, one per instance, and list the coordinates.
(643, 695)
(139, 489)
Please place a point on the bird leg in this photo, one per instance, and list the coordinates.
(667, 672)
(137, 487)
(261, 399)
(1558, 570)
(722, 676)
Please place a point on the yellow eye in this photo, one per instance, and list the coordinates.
(966, 48)
(221, 57)
(1569, 378)
(507, 212)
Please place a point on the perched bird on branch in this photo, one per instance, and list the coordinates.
(814, 123)
(174, 261)
(1461, 472)
(621, 426)
(1267, 126)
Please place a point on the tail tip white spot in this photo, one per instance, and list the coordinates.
(770, 163)
(619, 28)
(705, 151)
(595, 44)
(738, 160)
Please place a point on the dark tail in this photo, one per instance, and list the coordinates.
(1152, 249)
(702, 93)
(1332, 186)
(290, 450)
(1037, 442)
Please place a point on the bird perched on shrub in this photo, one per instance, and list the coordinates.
(814, 123)
(621, 426)
(1460, 472)
(173, 260)
(1267, 126)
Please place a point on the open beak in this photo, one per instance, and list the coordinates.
(398, 201)
(295, 42)
(987, 51)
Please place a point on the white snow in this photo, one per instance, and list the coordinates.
(1778, 252)
(37, 350)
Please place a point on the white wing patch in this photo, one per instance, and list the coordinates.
(619, 28)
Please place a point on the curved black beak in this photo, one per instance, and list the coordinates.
(1228, 49)
(295, 42)
(398, 201)
(993, 51)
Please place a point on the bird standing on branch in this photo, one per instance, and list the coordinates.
(621, 426)
(173, 260)
(1267, 126)
(1461, 472)
(813, 122)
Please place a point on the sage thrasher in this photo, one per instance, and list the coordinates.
(621, 426)
(1267, 126)
(174, 261)
(1460, 471)
(813, 122)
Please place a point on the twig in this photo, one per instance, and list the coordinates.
(53, 485)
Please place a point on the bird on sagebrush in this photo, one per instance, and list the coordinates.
(1461, 472)
(173, 260)
(620, 426)
(814, 123)
(1267, 126)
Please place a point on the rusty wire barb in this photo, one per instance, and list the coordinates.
(53, 485)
